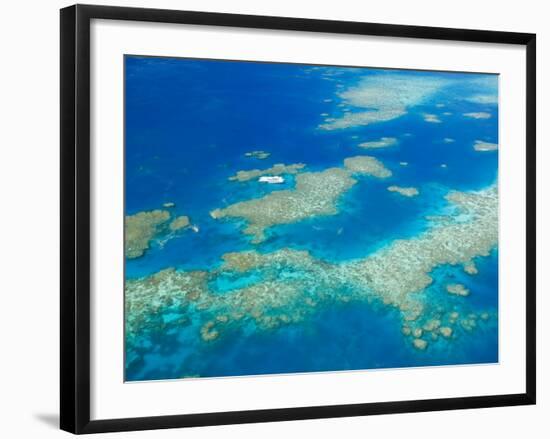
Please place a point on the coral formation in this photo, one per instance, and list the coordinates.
(432, 118)
(458, 290)
(470, 268)
(364, 164)
(181, 222)
(478, 115)
(258, 154)
(315, 194)
(405, 191)
(140, 230)
(142, 227)
(381, 98)
(482, 146)
(290, 284)
(420, 344)
(483, 99)
(384, 142)
(277, 169)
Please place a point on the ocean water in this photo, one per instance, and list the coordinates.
(188, 125)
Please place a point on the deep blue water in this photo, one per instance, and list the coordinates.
(188, 125)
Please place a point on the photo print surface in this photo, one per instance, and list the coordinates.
(292, 218)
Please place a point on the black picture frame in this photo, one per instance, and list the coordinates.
(75, 217)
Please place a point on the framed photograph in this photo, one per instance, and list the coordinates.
(268, 218)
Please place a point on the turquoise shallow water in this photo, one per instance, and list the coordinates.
(188, 125)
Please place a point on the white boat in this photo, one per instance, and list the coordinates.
(271, 179)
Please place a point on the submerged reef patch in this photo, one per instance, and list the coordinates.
(384, 142)
(420, 344)
(403, 267)
(482, 146)
(363, 118)
(458, 290)
(258, 154)
(405, 191)
(181, 222)
(277, 169)
(148, 298)
(289, 284)
(470, 268)
(143, 227)
(483, 99)
(382, 98)
(140, 230)
(364, 164)
(478, 115)
(315, 194)
(432, 118)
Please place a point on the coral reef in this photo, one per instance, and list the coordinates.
(364, 164)
(146, 299)
(143, 227)
(384, 142)
(381, 98)
(478, 115)
(458, 290)
(140, 230)
(405, 191)
(420, 344)
(289, 284)
(432, 118)
(482, 146)
(483, 99)
(259, 154)
(470, 268)
(315, 194)
(181, 222)
(277, 169)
